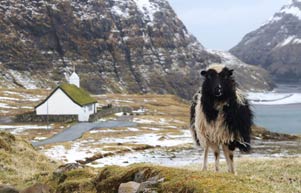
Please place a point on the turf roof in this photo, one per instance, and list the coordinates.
(78, 95)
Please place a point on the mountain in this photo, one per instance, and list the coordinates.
(133, 46)
(276, 45)
(250, 77)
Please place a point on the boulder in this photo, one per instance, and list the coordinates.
(129, 187)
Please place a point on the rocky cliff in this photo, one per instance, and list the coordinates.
(276, 45)
(115, 46)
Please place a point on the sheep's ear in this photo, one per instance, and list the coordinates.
(203, 72)
(227, 72)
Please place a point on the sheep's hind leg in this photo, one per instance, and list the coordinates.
(216, 151)
(229, 155)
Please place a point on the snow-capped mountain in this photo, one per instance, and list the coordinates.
(115, 45)
(276, 45)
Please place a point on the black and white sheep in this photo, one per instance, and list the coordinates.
(220, 116)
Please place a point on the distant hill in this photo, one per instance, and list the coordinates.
(134, 46)
(276, 45)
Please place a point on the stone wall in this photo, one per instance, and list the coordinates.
(109, 111)
(32, 117)
(105, 111)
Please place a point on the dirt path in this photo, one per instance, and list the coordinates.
(76, 131)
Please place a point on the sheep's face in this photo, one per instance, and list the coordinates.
(219, 85)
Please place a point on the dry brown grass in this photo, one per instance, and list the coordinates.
(20, 164)
(21, 102)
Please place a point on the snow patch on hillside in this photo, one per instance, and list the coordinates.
(23, 79)
(289, 40)
(147, 7)
(292, 10)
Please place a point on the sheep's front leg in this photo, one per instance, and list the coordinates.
(216, 151)
(205, 162)
(229, 155)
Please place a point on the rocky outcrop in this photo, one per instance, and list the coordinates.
(116, 46)
(276, 45)
(134, 46)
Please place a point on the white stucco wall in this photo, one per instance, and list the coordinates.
(87, 111)
(60, 104)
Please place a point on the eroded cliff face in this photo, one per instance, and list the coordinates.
(276, 45)
(133, 46)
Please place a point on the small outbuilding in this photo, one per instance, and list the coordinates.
(68, 99)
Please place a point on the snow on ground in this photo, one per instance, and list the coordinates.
(8, 99)
(271, 98)
(76, 152)
(16, 129)
(81, 149)
(161, 121)
(153, 139)
(38, 139)
(119, 114)
(188, 156)
(143, 121)
(161, 157)
(6, 106)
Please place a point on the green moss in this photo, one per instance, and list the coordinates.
(78, 95)
(79, 180)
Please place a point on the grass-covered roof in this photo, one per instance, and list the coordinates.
(78, 95)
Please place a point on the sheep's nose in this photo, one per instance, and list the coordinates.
(218, 91)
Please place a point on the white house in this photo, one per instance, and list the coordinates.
(68, 99)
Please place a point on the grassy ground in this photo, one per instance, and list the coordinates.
(22, 166)
(254, 175)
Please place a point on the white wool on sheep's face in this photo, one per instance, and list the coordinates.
(217, 67)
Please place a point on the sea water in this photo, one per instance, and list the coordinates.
(279, 110)
(279, 118)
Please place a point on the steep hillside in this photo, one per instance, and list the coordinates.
(276, 45)
(20, 163)
(116, 46)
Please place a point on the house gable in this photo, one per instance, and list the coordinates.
(59, 104)
(78, 95)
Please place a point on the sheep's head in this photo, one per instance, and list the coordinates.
(219, 82)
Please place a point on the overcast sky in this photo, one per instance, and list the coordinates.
(221, 24)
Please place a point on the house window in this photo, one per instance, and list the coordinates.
(90, 107)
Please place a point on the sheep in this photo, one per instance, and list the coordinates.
(220, 115)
